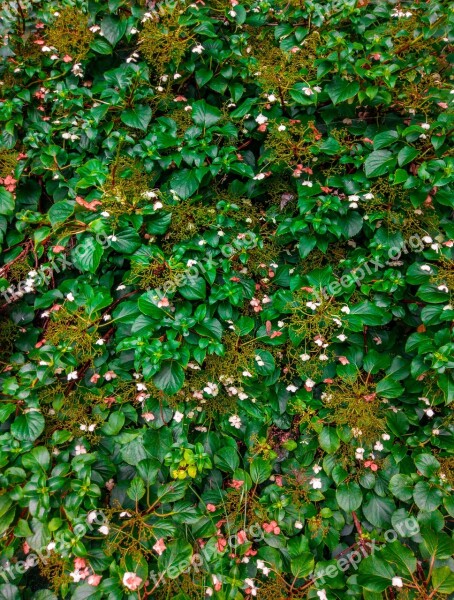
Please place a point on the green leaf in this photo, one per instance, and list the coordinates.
(438, 544)
(340, 90)
(406, 155)
(379, 163)
(260, 470)
(170, 378)
(127, 241)
(60, 211)
(385, 139)
(427, 496)
(349, 496)
(401, 486)
(184, 183)
(329, 440)
(443, 580)
(136, 489)
(28, 427)
(375, 574)
(6, 202)
(227, 459)
(138, 117)
(388, 388)
(378, 511)
(426, 464)
(175, 559)
(204, 114)
(113, 28)
(87, 255)
(302, 565)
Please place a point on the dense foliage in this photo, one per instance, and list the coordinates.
(225, 343)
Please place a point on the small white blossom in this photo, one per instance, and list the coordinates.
(178, 416)
(235, 421)
(316, 483)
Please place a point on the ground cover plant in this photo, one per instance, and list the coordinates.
(225, 323)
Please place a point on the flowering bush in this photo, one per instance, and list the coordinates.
(225, 282)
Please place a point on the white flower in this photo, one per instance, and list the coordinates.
(106, 318)
(309, 383)
(235, 421)
(443, 288)
(307, 183)
(92, 427)
(247, 374)
(261, 119)
(308, 91)
(345, 310)
(427, 239)
(104, 530)
(425, 126)
(211, 389)
(397, 582)
(157, 205)
(316, 483)
(322, 595)
(353, 198)
(291, 388)
(311, 305)
(72, 375)
(298, 525)
(359, 453)
(281, 128)
(112, 238)
(425, 268)
(105, 214)
(178, 416)
(100, 342)
(323, 357)
(317, 89)
(70, 297)
(79, 449)
(386, 437)
(176, 76)
(435, 432)
(91, 517)
(83, 427)
(191, 262)
(259, 361)
(368, 196)
(198, 49)
(272, 98)
(429, 412)
(260, 176)
(317, 469)
(305, 357)
(341, 337)
(378, 446)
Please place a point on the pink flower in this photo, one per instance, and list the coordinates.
(211, 508)
(163, 302)
(25, 548)
(159, 547)
(241, 537)
(67, 58)
(221, 544)
(237, 484)
(271, 527)
(131, 581)
(278, 480)
(343, 360)
(148, 416)
(80, 563)
(94, 580)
